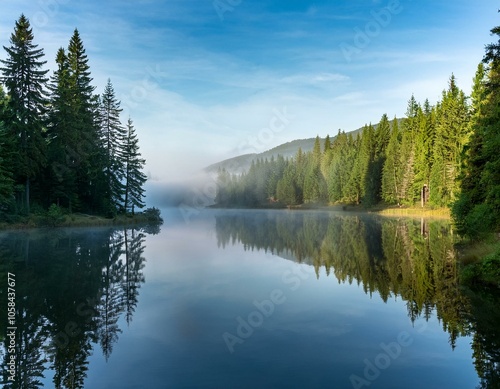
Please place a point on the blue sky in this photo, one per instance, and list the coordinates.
(206, 80)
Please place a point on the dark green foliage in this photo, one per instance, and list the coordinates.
(68, 276)
(134, 176)
(25, 84)
(477, 210)
(391, 173)
(385, 162)
(90, 175)
(54, 216)
(70, 148)
(288, 190)
(64, 152)
(452, 133)
(6, 175)
(153, 215)
(118, 144)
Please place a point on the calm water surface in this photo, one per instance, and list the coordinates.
(248, 299)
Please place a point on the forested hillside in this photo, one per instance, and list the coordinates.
(61, 144)
(439, 155)
(397, 161)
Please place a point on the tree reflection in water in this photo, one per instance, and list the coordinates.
(72, 286)
(410, 258)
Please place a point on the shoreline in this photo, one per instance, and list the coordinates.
(74, 221)
(387, 211)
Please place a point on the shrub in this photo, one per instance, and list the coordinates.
(153, 215)
(54, 216)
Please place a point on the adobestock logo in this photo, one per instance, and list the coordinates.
(293, 279)
(383, 360)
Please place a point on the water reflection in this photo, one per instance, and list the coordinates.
(413, 259)
(75, 288)
(72, 286)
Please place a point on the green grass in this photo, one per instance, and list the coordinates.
(441, 213)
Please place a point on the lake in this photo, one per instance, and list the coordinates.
(247, 299)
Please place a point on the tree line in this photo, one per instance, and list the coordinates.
(442, 155)
(60, 143)
(395, 161)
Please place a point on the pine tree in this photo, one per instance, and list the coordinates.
(424, 147)
(382, 135)
(477, 209)
(6, 180)
(391, 176)
(287, 187)
(134, 177)
(473, 160)
(382, 139)
(91, 183)
(113, 137)
(326, 160)
(371, 175)
(353, 190)
(452, 133)
(63, 140)
(410, 132)
(339, 169)
(26, 83)
(6, 174)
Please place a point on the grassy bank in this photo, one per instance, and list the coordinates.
(438, 213)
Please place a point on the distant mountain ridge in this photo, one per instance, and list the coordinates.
(242, 163)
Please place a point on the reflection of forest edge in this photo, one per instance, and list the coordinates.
(414, 259)
(72, 287)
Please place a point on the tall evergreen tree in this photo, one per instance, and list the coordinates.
(25, 81)
(371, 174)
(84, 118)
(134, 176)
(6, 174)
(477, 210)
(63, 140)
(391, 176)
(353, 191)
(424, 143)
(114, 136)
(287, 190)
(452, 133)
(410, 130)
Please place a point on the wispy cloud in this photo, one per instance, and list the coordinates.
(197, 87)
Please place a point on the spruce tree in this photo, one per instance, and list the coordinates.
(63, 140)
(84, 118)
(410, 129)
(476, 211)
(6, 149)
(391, 176)
(25, 80)
(113, 138)
(6, 176)
(134, 177)
(424, 147)
(452, 133)
(287, 187)
(370, 179)
(339, 169)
